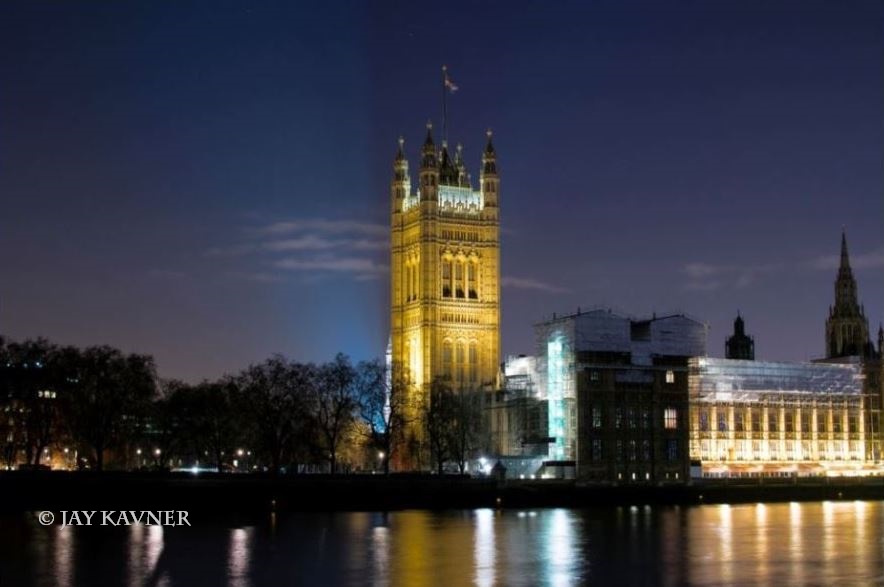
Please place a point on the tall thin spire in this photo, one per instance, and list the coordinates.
(845, 259)
(847, 328)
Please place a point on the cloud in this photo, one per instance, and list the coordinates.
(314, 248)
(870, 260)
(528, 283)
(703, 285)
(322, 225)
(356, 265)
(710, 277)
(259, 276)
(317, 243)
(701, 270)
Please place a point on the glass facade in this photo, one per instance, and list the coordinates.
(752, 418)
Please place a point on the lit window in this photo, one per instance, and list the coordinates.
(670, 418)
(472, 288)
(670, 377)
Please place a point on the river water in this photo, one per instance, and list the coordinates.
(823, 543)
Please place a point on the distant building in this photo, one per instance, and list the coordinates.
(847, 341)
(847, 328)
(616, 389)
(739, 345)
(754, 418)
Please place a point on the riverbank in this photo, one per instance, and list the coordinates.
(207, 492)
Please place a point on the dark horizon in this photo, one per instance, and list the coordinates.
(210, 184)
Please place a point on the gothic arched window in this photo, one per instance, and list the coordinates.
(474, 362)
(447, 358)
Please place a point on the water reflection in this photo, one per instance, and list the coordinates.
(825, 543)
(64, 556)
(484, 548)
(560, 543)
(240, 553)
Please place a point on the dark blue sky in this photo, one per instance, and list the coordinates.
(208, 182)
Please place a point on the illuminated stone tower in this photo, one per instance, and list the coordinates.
(445, 270)
(847, 328)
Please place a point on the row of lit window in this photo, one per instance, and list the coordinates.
(670, 376)
(773, 450)
(670, 418)
(751, 421)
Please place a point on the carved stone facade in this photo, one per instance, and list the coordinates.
(445, 271)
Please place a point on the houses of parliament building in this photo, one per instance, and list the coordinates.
(445, 269)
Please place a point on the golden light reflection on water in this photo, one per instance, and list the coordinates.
(64, 554)
(726, 542)
(795, 541)
(828, 543)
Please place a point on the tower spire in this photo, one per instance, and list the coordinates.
(488, 179)
(401, 184)
(847, 328)
(845, 259)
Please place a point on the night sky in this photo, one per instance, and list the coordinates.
(209, 182)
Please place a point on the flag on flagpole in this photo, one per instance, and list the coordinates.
(452, 87)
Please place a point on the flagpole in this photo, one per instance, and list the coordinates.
(444, 105)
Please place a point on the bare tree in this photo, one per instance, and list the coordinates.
(213, 420)
(335, 404)
(273, 395)
(465, 426)
(437, 417)
(107, 392)
(384, 405)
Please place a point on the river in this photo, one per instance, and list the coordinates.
(826, 543)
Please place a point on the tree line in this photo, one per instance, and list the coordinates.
(100, 408)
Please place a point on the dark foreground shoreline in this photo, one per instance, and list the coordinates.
(208, 493)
